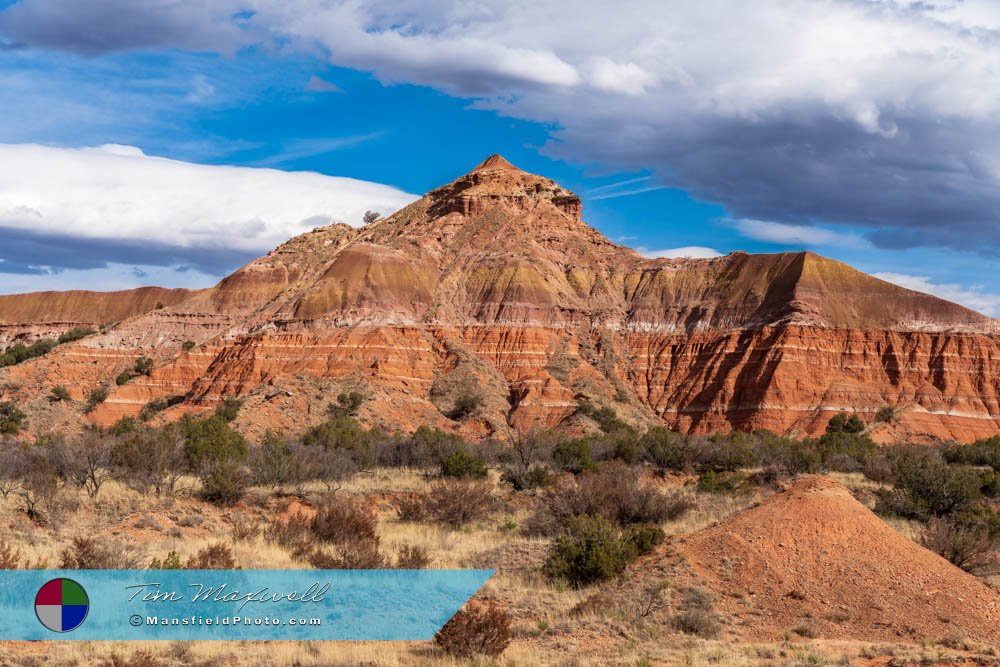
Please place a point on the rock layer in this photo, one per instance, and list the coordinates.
(493, 285)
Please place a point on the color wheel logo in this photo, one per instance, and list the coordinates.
(61, 605)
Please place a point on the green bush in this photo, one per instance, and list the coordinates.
(11, 418)
(188, 345)
(885, 415)
(645, 538)
(924, 486)
(461, 463)
(223, 482)
(152, 408)
(229, 408)
(143, 366)
(60, 393)
(123, 378)
(465, 405)
(723, 483)
(668, 449)
(842, 423)
(74, 334)
(348, 404)
(589, 550)
(343, 433)
(210, 442)
(573, 455)
(95, 398)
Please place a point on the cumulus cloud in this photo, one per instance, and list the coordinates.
(974, 298)
(882, 114)
(82, 208)
(691, 252)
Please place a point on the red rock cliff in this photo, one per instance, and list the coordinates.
(493, 284)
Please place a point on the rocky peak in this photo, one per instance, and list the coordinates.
(495, 181)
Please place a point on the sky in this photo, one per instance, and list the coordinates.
(170, 141)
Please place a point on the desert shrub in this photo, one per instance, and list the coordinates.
(216, 556)
(188, 345)
(877, 468)
(984, 452)
(477, 629)
(141, 658)
(668, 449)
(645, 538)
(465, 405)
(697, 614)
(370, 216)
(613, 493)
(229, 408)
(95, 398)
(342, 432)
(87, 461)
(411, 557)
(411, 508)
(10, 556)
(343, 519)
(74, 334)
(153, 408)
(223, 482)
(842, 423)
(60, 393)
(965, 541)
(456, 502)
(273, 461)
(573, 455)
(123, 378)
(19, 352)
(523, 478)
(143, 366)
(627, 446)
(329, 466)
(352, 555)
(212, 441)
(885, 415)
(347, 405)
(11, 418)
(925, 486)
(39, 490)
(590, 549)
(148, 458)
(91, 553)
(172, 561)
(461, 463)
(727, 453)
(722, 483)
(431, 445)
(606, 417)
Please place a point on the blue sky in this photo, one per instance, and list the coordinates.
(778, 150)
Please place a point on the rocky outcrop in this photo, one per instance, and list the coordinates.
(493, 285)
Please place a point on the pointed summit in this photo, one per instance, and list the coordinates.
(495, 182)
(495, 162)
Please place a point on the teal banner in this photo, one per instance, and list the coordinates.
(232, 604)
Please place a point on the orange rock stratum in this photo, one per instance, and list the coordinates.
(493, 284)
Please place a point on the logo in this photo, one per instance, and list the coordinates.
(61, 605)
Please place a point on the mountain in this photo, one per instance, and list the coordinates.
(493, 285)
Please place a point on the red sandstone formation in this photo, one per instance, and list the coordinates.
(493, 285)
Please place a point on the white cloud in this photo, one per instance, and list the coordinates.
(796, 235)
(878, 113)
(691, 252)
(120, 194)
(974, 297)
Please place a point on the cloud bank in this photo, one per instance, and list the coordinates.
(83, 208)
(880, 114)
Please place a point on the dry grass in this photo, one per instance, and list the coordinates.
(545, 629)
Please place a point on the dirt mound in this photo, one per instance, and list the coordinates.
(814, 561)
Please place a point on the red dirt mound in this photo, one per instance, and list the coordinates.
(814, 557)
